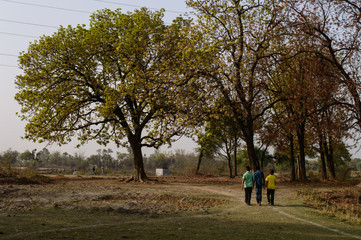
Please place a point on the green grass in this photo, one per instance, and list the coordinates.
(247, 224)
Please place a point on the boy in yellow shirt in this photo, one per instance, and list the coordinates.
(271, 186)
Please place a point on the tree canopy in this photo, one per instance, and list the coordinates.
(118, 79)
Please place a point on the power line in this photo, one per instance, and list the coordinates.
(130, 5)
(19, 35)
(9, 55)
(27, 23)
(46, 6)
(5, 65)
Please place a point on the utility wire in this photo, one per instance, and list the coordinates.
(8, 55)
(130, 5)
(5, 65)
(46, 6)
(27, 23)
(19, 35)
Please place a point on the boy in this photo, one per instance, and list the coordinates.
(260, 183)
(247, 185)
(271, 186)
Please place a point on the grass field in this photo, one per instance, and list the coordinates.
(83, 207)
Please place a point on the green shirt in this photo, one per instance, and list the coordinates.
(248, 179)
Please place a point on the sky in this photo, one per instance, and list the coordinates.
(22, 22)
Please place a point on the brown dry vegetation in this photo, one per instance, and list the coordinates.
(335, 200)
(96, 193)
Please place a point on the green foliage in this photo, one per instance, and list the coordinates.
(343, 173)
(211, 140)
(9, 157)
(341, 154)
(268, 158)
(159, 160)
(118, 80)
(355, 164)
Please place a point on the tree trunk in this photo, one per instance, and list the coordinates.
(251, 154)
(261, 160)
(330, 161)
(292, 158)
(229, 160)
(298, 167)
(329, 157)
(199, 161)
(302, 159)
(322, 161)
(139, 173)
(247, 130)
(235, 157)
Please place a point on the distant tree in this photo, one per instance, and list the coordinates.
(342, 156)
(125, 160)
(27, 156)
(209, 144)
(95, 160)
(8, 158)
(355, 164)
(43, 156)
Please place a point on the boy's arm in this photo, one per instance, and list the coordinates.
(242, 187)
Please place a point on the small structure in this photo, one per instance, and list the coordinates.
(161, 171)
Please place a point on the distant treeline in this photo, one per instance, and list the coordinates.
(179, 162)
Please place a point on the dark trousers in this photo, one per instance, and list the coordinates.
(271, 196)
(259, 194)
(248, 193)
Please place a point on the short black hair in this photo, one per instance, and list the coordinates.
(248, 168)
(272, 171)
(257, 168)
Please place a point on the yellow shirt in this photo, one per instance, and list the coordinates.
(271, 181)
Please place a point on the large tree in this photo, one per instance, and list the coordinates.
(243, 38)
(117, 79)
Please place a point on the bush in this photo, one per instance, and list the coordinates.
(343, 173)
(31, 176)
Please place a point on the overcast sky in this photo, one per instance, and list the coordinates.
(22, 22)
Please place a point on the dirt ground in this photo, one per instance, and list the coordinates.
(192, 207)
(110, 194)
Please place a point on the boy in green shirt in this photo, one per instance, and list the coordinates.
(247, 185)
(271, 186)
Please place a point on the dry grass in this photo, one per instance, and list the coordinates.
(9, 175)
(344, 204)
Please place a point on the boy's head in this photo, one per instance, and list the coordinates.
(248, 168)
(272, 171)
(257, 168)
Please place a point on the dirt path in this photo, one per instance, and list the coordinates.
(283, 193)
